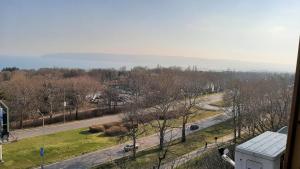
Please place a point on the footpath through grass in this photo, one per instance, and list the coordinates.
(148, 158)
(64, 145)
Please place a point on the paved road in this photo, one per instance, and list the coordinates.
(206, 101)
(102, 156)
(54, 128)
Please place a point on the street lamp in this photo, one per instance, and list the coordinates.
(65, 104)
(41, 114)
(42, 148)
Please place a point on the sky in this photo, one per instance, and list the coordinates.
(264, 31)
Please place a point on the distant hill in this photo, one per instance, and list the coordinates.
(107, 60)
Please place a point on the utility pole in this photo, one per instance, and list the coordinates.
(65, 104)
(42, 149)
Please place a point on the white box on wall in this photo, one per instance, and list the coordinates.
(262, 152)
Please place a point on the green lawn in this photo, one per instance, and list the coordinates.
(194, 141)
(59, 146)
(63, 145)
(198, 115)
(220, 103)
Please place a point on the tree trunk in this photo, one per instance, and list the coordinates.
(239, 122)
(114, 106)
(159, 163)
(161, 158)
(234, 124)
(51, 118)
(134, 144)
(183, 135)
(70, 114)
(76, 112)
(161, 139)
(109, 105)
(21, 120)
(51, 112)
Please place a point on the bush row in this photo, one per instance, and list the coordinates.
(110, 129)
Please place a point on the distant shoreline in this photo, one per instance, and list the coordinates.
(102, 60)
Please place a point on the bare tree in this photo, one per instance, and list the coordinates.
(259, 104)
(190, 90)
(110, 97)
(134, 122)
(162, 153)
(49, 97)
(21, 96)
(133, 117)
(77, 90)
(162, 94)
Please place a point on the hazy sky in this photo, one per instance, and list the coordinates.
(251, 30)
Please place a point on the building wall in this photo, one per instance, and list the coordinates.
(241, 161)
(296, 154)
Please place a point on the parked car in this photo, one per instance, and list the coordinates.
(129, 147)
(194, 127)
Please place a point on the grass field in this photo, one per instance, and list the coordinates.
(194, 141)
(198, 115)
(59, 146)
(63, 145)
(220, 103)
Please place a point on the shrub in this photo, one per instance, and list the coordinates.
(96, 128)
(109, 125)
(116, 131)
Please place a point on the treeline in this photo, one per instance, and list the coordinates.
(260, 103)
(28, 92)
(257, 103)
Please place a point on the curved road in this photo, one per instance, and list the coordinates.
(101, 156)
(54, 128)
